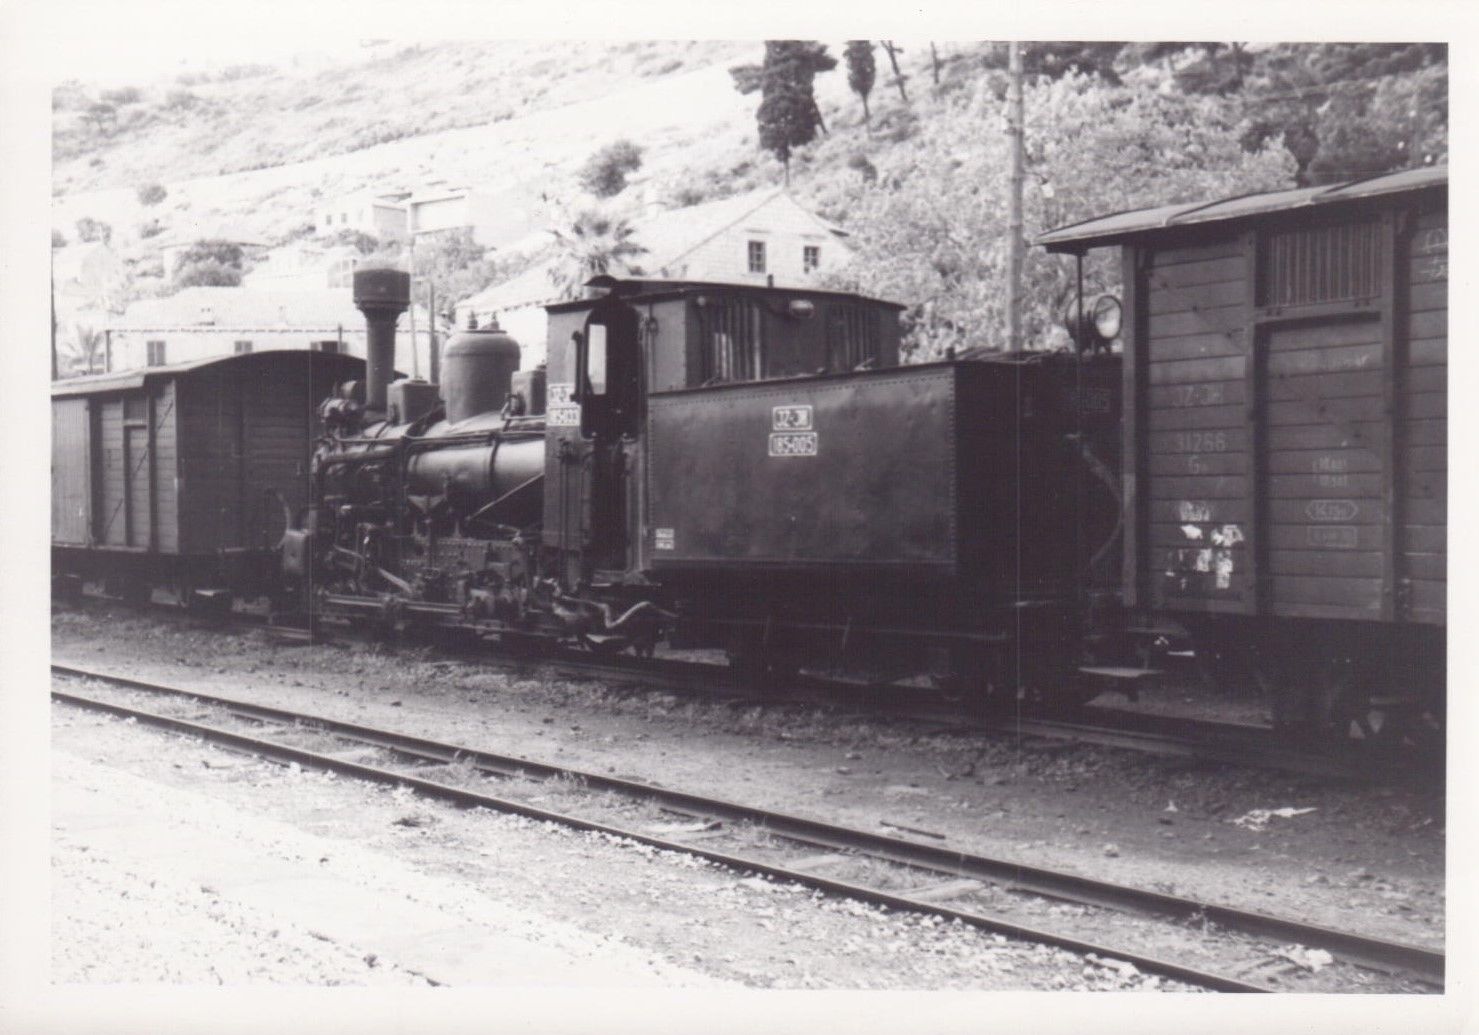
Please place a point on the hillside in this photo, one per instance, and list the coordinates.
(921, 187)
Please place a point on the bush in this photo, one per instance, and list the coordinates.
(153, 228)
(605, 172)
(180, 100)
(152, 194)
(123, 95)
(58, 240)
(206, 273)
(90, 230)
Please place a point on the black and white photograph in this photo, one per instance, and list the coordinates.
(619, 529)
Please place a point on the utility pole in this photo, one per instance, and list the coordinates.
(415, 364)
(434, 360)
(1015, 128)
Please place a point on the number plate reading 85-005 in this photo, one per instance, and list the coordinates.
(793, 443)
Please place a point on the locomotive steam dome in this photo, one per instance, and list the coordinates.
(477, 367)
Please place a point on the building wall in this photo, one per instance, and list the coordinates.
(785, 230)
(130, 348)
(362, 211)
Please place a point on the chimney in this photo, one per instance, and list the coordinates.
(382, 295)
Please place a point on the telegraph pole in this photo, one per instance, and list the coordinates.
(1015, 128)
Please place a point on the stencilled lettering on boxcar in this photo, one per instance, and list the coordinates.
(1193, 510)
(1198, 395)
(1334, 537)
(1431, 241)
(1332, 510)
(1200, 442)
(1331, 471)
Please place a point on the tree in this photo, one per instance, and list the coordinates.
(861, 72)
(595, 243)
(207, 273)
(932, 231)
(90, 230)
(365, 244)
(210, 263)
(605, 172)
(788, 116)
(152, 194)
(100, 116)
(454, 264)
(893, 50)
(83, 354)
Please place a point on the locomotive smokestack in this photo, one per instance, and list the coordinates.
(382, 295)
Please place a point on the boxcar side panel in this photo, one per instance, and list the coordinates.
(278, 416)
(166, 494)
(1197, 480)
(71, 457)
(1424, 430)
(210, 462)
(111, 518)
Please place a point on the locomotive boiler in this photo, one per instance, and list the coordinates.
(725, 466)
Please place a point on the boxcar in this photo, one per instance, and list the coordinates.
(1285, 471)
(184, 476)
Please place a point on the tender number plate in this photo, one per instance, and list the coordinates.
(793, 443)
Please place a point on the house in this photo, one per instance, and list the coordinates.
(200, 322)
(763, 237)
(441, 209)
(304, 266)
(379, 213)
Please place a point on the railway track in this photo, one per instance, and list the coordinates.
(1167, 736)
(1212, 946)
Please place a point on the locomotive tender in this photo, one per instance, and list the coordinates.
(726, 466)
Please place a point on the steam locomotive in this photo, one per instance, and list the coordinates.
(731, 467)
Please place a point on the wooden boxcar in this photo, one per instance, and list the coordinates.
(183, 476)
(1285, 438)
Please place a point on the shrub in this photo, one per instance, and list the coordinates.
(605, 172)
(152, 194)
(90, 229)
(153, 228)
(123, 95)
(58, 240)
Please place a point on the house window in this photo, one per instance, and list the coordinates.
(1318, 264)
(811, 257)
(757, 256)
(243, 347)
(733, 341)
(155, 356)
(136, 409)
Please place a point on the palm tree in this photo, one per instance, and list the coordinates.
(83, 352)
(595, 243)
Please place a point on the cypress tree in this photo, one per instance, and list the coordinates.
(861, 72)
(788, 116)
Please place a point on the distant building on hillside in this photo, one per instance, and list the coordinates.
(201, 322)
(379, 213)
(763, 237)
(442, 209)
(304, 266)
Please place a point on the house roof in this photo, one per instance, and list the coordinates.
(244, 308)
(669, 237)
(1108, 229)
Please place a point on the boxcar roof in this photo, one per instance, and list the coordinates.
(1109, 229)
(126, 380)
